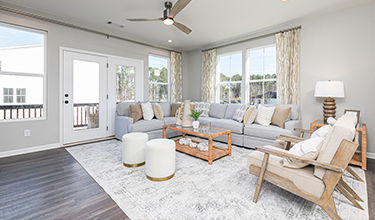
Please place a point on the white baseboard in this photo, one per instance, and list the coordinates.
(370, 155)
(29, 150)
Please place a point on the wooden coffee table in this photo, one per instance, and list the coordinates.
(207, 132)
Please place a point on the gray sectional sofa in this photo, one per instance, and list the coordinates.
(220, 115)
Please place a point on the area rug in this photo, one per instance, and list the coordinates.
(223, 190)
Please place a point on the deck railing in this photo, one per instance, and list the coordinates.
(80, 112)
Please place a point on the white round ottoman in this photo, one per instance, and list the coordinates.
(160, 159)
(133, 149)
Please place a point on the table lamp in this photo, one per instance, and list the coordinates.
(329, 90)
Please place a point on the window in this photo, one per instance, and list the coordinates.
(262, 75)
(8, 95)
(158, 78)
(22, 68)
(229, 78)
(21, 95)
(125, 86)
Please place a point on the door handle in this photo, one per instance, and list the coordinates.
(66, 102)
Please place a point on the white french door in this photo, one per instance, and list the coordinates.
(84, 96)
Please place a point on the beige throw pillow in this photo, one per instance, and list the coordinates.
(264, 115)
(250, 115)
(175, 107)
(158, 111)
(281, 115)
(136, 111)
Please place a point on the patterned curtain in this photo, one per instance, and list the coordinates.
(208, 75)
(176, 77)
(287, 65)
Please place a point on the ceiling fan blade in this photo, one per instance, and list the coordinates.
(180, 4)
(145, 19)
(182, 27)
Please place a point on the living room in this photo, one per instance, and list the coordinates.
(72, 74)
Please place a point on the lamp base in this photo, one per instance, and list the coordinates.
(329, 108)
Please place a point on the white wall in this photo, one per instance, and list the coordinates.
(44, 132)
(335, 46)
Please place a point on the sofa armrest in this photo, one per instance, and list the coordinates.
(122, 126)
(292, 124)
(285, 154)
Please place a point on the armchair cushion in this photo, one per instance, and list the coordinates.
(303, 178)
(308, 148)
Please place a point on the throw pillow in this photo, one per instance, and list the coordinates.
(175, 107)
(281, 115)
(203, 107)
(264, 115)
(250, 115)
(147, 111)
(135, 111)
(308, 149)
(158, 111)
(240, 113)
(321, 132)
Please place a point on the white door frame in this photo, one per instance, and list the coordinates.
(61, 84)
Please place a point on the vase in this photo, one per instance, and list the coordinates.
(195, 124)
(186, 120)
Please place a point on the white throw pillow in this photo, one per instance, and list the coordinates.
(308, 149)
(240, 113)
(264, 115)
(321, 132)
(148, 113)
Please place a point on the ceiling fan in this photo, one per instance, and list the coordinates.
(169, 15)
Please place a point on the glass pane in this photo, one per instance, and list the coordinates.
(158, 69)
(158, 92)
(21, 50)
(236, 67)
(270, 62)
(235, 92)
(85, 94)
(224, 93)
(270, 92)
(224, 70)
(125, 83)
(256, 93)
(256, 64)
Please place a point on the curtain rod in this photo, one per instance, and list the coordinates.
(252, 38)
(42, 18)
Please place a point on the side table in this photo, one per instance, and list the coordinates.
(359, 158)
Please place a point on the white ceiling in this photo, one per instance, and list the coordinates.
(211, 20)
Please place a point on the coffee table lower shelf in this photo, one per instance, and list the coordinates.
(216, 153)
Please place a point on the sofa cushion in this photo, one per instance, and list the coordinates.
(174, 108)
(231, 109)
(303, 178)
(267, 132)
(217, 110)
(234, 126)
(206, 120)
(146, 125)
(166, 107)
(123, 108)
(169, 120)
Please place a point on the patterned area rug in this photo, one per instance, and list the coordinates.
(223, 190)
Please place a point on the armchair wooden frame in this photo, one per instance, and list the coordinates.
(331, 178)
(342, 186)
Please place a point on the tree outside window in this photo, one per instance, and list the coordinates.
(158, 79)
(125, 86)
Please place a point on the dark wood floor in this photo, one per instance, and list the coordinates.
(53, 185)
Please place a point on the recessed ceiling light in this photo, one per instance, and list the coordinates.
(169, 41)
(284, 0)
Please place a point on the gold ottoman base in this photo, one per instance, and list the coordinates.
(160, 179)
(134, 165)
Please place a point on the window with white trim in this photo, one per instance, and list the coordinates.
(158, 78)
(229, 78)
(22, 68)
(262, 75)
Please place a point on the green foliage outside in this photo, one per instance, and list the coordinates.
(158, 84)
(125, 87)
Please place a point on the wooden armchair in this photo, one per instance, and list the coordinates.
(302, 182)
(342, 186)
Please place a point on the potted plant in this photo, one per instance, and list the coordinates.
(195, 115)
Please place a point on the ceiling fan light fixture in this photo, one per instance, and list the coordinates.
(168, 21)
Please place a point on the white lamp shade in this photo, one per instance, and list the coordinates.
(333, 89)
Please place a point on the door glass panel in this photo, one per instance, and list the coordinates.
(85, 95)
(125, 83)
